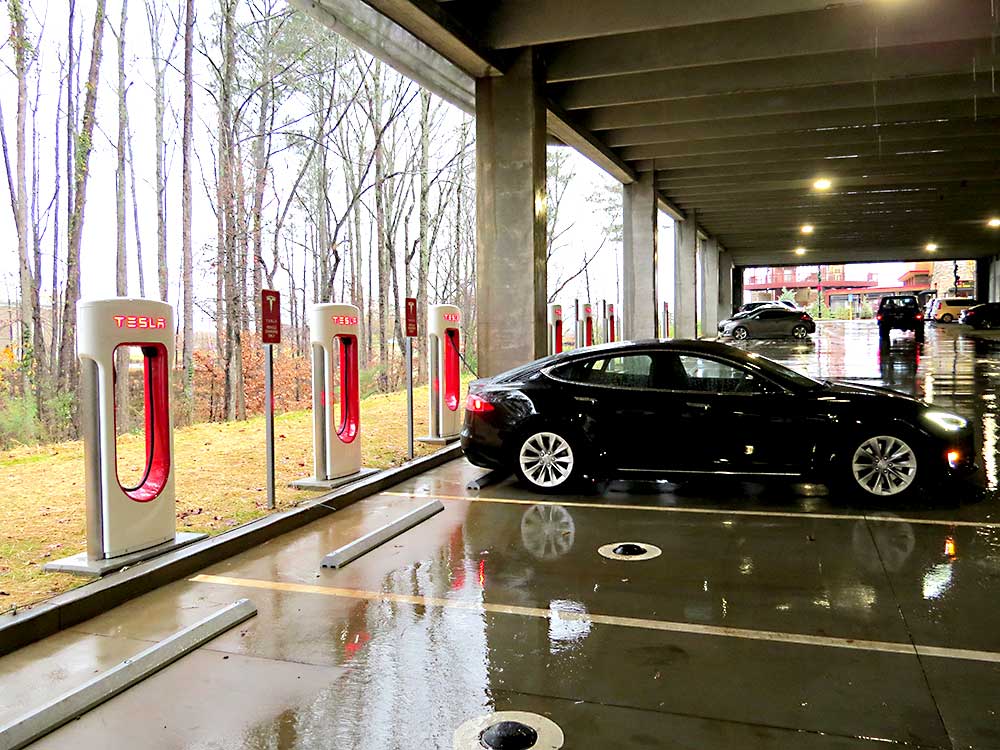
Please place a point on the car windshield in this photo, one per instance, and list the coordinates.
(783, 373)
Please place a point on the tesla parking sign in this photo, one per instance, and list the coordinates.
(411, 316)
(270, 309)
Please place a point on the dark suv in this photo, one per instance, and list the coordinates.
(900, 313)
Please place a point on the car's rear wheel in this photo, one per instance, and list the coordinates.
(986, 324)
(947, 318)
(884, 466)
(800, 331)
(546, 461)
(740, 333)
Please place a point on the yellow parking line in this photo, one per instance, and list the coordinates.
(687, 628)
(702, 511)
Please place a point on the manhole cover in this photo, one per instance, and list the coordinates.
(509, 730)
(633, 551)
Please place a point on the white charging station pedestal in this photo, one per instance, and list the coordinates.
(555, 326)
(445, 410)
(585, 326)
(125, 524)
(333, 332)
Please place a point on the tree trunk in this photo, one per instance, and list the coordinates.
(121, 272)
(69, 369)
(187, 263)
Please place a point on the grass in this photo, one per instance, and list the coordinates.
(220, 483)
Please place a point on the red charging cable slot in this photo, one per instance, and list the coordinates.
(350, 397)
(589, 335)
(452, 383)
(611, 329)
(156, 390)
(558, 342)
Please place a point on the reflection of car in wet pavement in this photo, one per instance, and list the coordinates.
(768, 322)
(661, 409)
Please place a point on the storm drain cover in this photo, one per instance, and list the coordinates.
(509, 730)
(630, 551)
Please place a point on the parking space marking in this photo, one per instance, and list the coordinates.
(686, 628)
(706, 511)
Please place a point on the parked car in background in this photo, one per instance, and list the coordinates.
(986, 315)
(900, 313)
(748, 306)
(768, 322)
(947, 309)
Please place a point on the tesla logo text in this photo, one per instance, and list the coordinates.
(345, 320)
(451, 317)
(139, 321)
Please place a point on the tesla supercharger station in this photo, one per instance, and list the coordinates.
(334, 330)
(555, 325)
(610, 332)
(585, 326)
(125, 522)
(444, 371)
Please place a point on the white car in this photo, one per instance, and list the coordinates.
(947, 309)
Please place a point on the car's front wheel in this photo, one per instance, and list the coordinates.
(946, 318)
(546, 461)
(884, 466)
(740, 333)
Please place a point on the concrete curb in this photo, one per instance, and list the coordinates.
(87, 601)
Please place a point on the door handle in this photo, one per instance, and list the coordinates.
(585, 399)
(697, 405)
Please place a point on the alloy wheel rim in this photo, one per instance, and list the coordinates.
(740, 333)
(546, 459)
(884, 465)
(799, 332)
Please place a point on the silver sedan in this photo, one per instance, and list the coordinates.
(768, 322)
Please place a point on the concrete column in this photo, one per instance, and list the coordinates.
(511, 291)
(685, 273)
(708, 287)
(737, 286)
(725, 284)
(639, 248)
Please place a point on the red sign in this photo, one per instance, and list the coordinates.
(139, 321)
(451, 317)
(270, 316)
(344, 320)
(411, 317)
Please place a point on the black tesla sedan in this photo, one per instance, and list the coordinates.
(665, 409)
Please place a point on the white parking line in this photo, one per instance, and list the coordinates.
(705, 511)
(687, 628)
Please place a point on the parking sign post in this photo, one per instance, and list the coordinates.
(270, 332)
(411, 333)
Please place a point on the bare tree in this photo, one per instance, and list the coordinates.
(121, 267)
(187, 261)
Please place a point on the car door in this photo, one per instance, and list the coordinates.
(768, 322)
(747, 423)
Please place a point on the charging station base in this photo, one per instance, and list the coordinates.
(438, 440)
(80, 565)
(311, 483)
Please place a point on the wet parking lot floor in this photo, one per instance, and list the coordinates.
(777, 616)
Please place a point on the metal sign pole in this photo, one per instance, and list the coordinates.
(409, 397)
(269, 420)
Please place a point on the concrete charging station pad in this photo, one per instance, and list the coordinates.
(311, 483)
(431, 440)
(79, 564)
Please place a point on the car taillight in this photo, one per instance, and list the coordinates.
(477, 404)
(920, 316)
(878, 317)
(805, 316)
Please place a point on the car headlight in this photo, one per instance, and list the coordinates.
(946, 421)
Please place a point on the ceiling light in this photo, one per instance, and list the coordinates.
(994, 223)
(808, 229)
(930, 247)
(800, 251)
(823, 184)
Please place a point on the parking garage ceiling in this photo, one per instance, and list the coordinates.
(738, 107)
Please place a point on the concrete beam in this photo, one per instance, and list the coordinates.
(561, 125)
(768, 75)
(868, 26)
(511, 217)
(639, 259)
(520, 23)
(818, 99)
(685, 277)
(956, 110)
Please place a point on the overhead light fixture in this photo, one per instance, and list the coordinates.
(800, 251)
(808, 229)
(930, 247)
(823, 184)
(994, 223)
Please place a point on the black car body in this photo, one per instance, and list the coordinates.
(663, 409)
(986, 315)
(768, 322)
(900, 313)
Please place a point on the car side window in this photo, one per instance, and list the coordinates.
(712, 376)
(624, 371)
(772, 314)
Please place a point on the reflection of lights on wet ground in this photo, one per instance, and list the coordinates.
(990, 449)
(949, 547)
(937, 581)
(568, 625)
(746, 566)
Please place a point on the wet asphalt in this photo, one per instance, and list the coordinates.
(777, 615)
